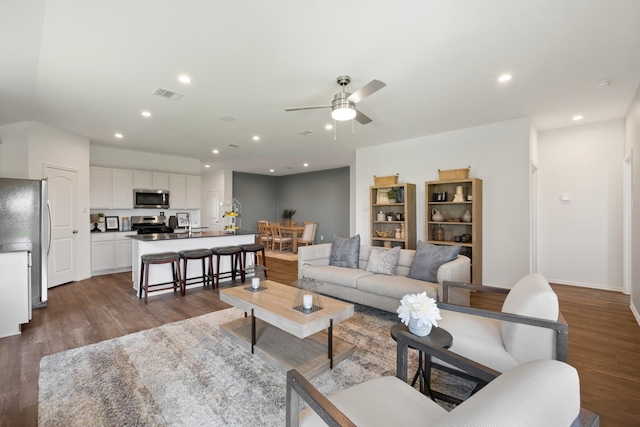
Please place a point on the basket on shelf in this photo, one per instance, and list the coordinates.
(385, 180)
(444, 175)
(383, 233)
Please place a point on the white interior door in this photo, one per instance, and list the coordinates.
(213, 206)
(62, 266)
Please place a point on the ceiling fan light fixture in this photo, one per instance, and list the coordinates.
(343, 113)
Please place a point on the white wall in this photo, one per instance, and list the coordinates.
(14, 150)
(54, 147)
(498, 154)
(632, 142)
(581, 239)
(138, 160)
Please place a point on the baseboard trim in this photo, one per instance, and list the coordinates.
(635, 312)
(586, 285)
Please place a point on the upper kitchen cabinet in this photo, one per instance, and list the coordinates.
(151, 180)
(184, 191)
(110, 188)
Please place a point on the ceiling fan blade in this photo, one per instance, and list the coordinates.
(362, 118)
(369, 89)
(307, 108)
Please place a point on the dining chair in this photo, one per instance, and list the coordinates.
(264, 231)
(308, 234)
(279, 239)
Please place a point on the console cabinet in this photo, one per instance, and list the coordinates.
(454, 228)
(402, 215)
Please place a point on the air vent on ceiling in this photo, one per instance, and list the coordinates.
(233, 146)
(166, 93)
(306, 133)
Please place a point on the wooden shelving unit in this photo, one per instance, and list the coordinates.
(452, 223)
(407, 208)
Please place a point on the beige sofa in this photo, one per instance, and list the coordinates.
(378, 290)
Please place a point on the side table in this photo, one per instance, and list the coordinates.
(438, 337)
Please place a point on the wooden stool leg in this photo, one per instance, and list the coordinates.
(218, 271)
(264, 262)
(146, 285)
(141, 279)
(242, 275)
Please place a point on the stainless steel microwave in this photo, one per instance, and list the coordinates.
(158, 199)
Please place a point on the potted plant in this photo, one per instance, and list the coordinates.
(390, 216)
(393, 195)
(287, 214)
(419, 313)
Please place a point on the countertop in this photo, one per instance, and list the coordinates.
(182, 236)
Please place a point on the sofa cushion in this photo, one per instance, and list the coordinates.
(345, 252)
(429, 258)
(395, 286)
(383, 261)
(346, 277)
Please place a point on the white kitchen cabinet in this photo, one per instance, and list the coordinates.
(14, 288)
(100, 187)
(121, 189)
(142, 179)
(110, 252)
(193, 192)
(159, 181)
(178, 191)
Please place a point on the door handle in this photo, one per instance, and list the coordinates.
(75, 231)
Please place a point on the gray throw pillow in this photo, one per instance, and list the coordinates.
(345, 251)
(429, 258)
(383, 261)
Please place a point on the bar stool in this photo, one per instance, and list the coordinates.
(253, 249)
(201, 254)
(159, 258)
(234, 252)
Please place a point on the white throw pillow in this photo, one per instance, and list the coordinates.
(384, 261)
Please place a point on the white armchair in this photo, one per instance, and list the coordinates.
(529, 327)
(537, 393)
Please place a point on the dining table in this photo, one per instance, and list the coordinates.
(294, 230)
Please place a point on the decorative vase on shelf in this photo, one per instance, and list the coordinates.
(438, 233)
(436, 215)
(467, 216)
(421, 331)
(398, 233)
(380, 216)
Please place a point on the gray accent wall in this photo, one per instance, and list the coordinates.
(322, 197)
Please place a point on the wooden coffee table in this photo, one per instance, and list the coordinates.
(283, 336)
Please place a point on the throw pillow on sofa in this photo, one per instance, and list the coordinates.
(429, 258)
(345, 252)
(384, 261)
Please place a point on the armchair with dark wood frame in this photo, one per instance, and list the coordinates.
(299, 387)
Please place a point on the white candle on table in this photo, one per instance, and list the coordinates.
(255, 283)
(307, 301)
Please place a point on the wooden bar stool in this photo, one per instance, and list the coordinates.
(195, 254)
(159, 258)
(253, 249)
(236, 263)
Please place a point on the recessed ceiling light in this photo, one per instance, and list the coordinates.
(271, 170)
(119, 135)
(329, 126)
(256, 138)
(504, 78)
(305, 165)
(215, 151)
(207, 166)
(146, 114)
(602, 84)
(184, 78)
(578, 117)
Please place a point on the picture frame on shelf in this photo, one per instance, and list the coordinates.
(112, 223)
(183, 219)
(383, 196)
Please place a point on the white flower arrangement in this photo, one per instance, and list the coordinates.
(419, 307)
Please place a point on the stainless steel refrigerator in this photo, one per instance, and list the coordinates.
(24, 222)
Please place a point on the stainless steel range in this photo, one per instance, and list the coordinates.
(150, 224)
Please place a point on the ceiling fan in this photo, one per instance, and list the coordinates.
(344, 103)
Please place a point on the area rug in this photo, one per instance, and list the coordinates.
(188, 374)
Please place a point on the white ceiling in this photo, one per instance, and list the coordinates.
(90, 67)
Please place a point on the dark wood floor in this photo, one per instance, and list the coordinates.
(604, 338)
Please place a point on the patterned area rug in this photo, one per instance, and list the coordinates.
(188, 374)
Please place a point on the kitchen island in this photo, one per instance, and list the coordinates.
(174, 242)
